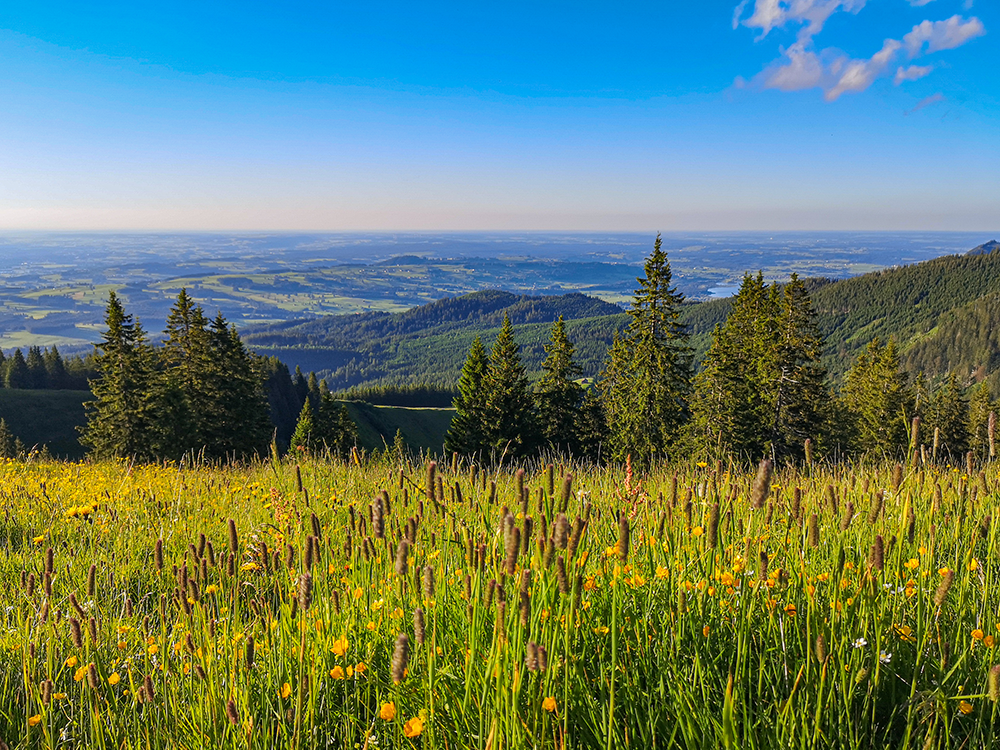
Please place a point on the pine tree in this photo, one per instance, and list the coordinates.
(732, 410)
(980, 406)
(119, 418)
(467, 433)
(557, 395)
(184, 399)
(591, 425)
(800, 397)
(238, 422)
(950, 415)
(36, 369)
(509, 418)
(8, 448)
(334, 427)
(55, 369)
(647, 380)
(302, 438)
(877, 397)
(16, 375)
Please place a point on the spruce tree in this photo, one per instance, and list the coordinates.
(302, 438)
(647, 379)
(557, 395)
(16, 375)
(800, 397)
(980, 406)
(950, 415)
(185, 399)
(732, 410)
(8, 447)
(509, 418)
(467, 433)
(119, 418)
(877, 397)
(239, 421)
(334, 427)
(55, 369)
(591, 425)
(36, 369)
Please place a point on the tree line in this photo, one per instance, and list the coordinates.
(201, 390)
(762, 390)
(44, 369)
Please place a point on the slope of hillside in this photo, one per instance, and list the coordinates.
(428, 343)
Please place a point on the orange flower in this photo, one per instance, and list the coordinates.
(340, 646)
(413, 727)
(286, 690)
(966, 708)
(388, 711)
(34, 721)
(337, 672)
(549, 704)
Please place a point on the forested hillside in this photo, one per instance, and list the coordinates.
(942, 313)
(427, 344)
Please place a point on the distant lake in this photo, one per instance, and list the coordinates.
(718, 292)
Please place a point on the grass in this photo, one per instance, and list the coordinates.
(850, 607)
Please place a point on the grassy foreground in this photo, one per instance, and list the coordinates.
(852, 608)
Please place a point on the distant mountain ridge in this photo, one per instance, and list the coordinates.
(986, 247)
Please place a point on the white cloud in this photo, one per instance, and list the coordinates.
(802, 67)
(858, 75)
(912, 73)
(812, 14)
(939, 35)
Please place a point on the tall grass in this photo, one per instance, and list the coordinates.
(262, 606)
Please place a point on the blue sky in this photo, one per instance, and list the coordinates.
(768, 114)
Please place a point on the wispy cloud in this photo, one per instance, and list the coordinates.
(939, 35)
(802, 67)
(811, 14)
(912, 73)
(932, 99)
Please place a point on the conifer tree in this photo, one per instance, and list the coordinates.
(334, 427)
(36, 369)
(185, 400)
(950, 415)
(55, 369)
(8, 448)
(119, 418)
(800, 399)
(467, 433)
(302, 438)
(509, 419)
(238, 422)
(877, 397)
(557, 395)
(591, 425)
(980, 406)
(16, 375)
(647, 379)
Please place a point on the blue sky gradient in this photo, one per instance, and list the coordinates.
(797, 114)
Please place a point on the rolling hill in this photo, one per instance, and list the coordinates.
(944, 314)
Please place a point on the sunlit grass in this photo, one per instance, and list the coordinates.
(629, 611)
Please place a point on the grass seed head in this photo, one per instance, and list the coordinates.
(418, 625)
(234, 539)
(993, 683)
(761, 484)
(400, 658)
(942, 590)
(305, 591)
(624, 534)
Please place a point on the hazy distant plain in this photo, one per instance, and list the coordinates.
(53, 287)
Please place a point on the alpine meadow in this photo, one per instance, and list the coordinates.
(500, 376)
